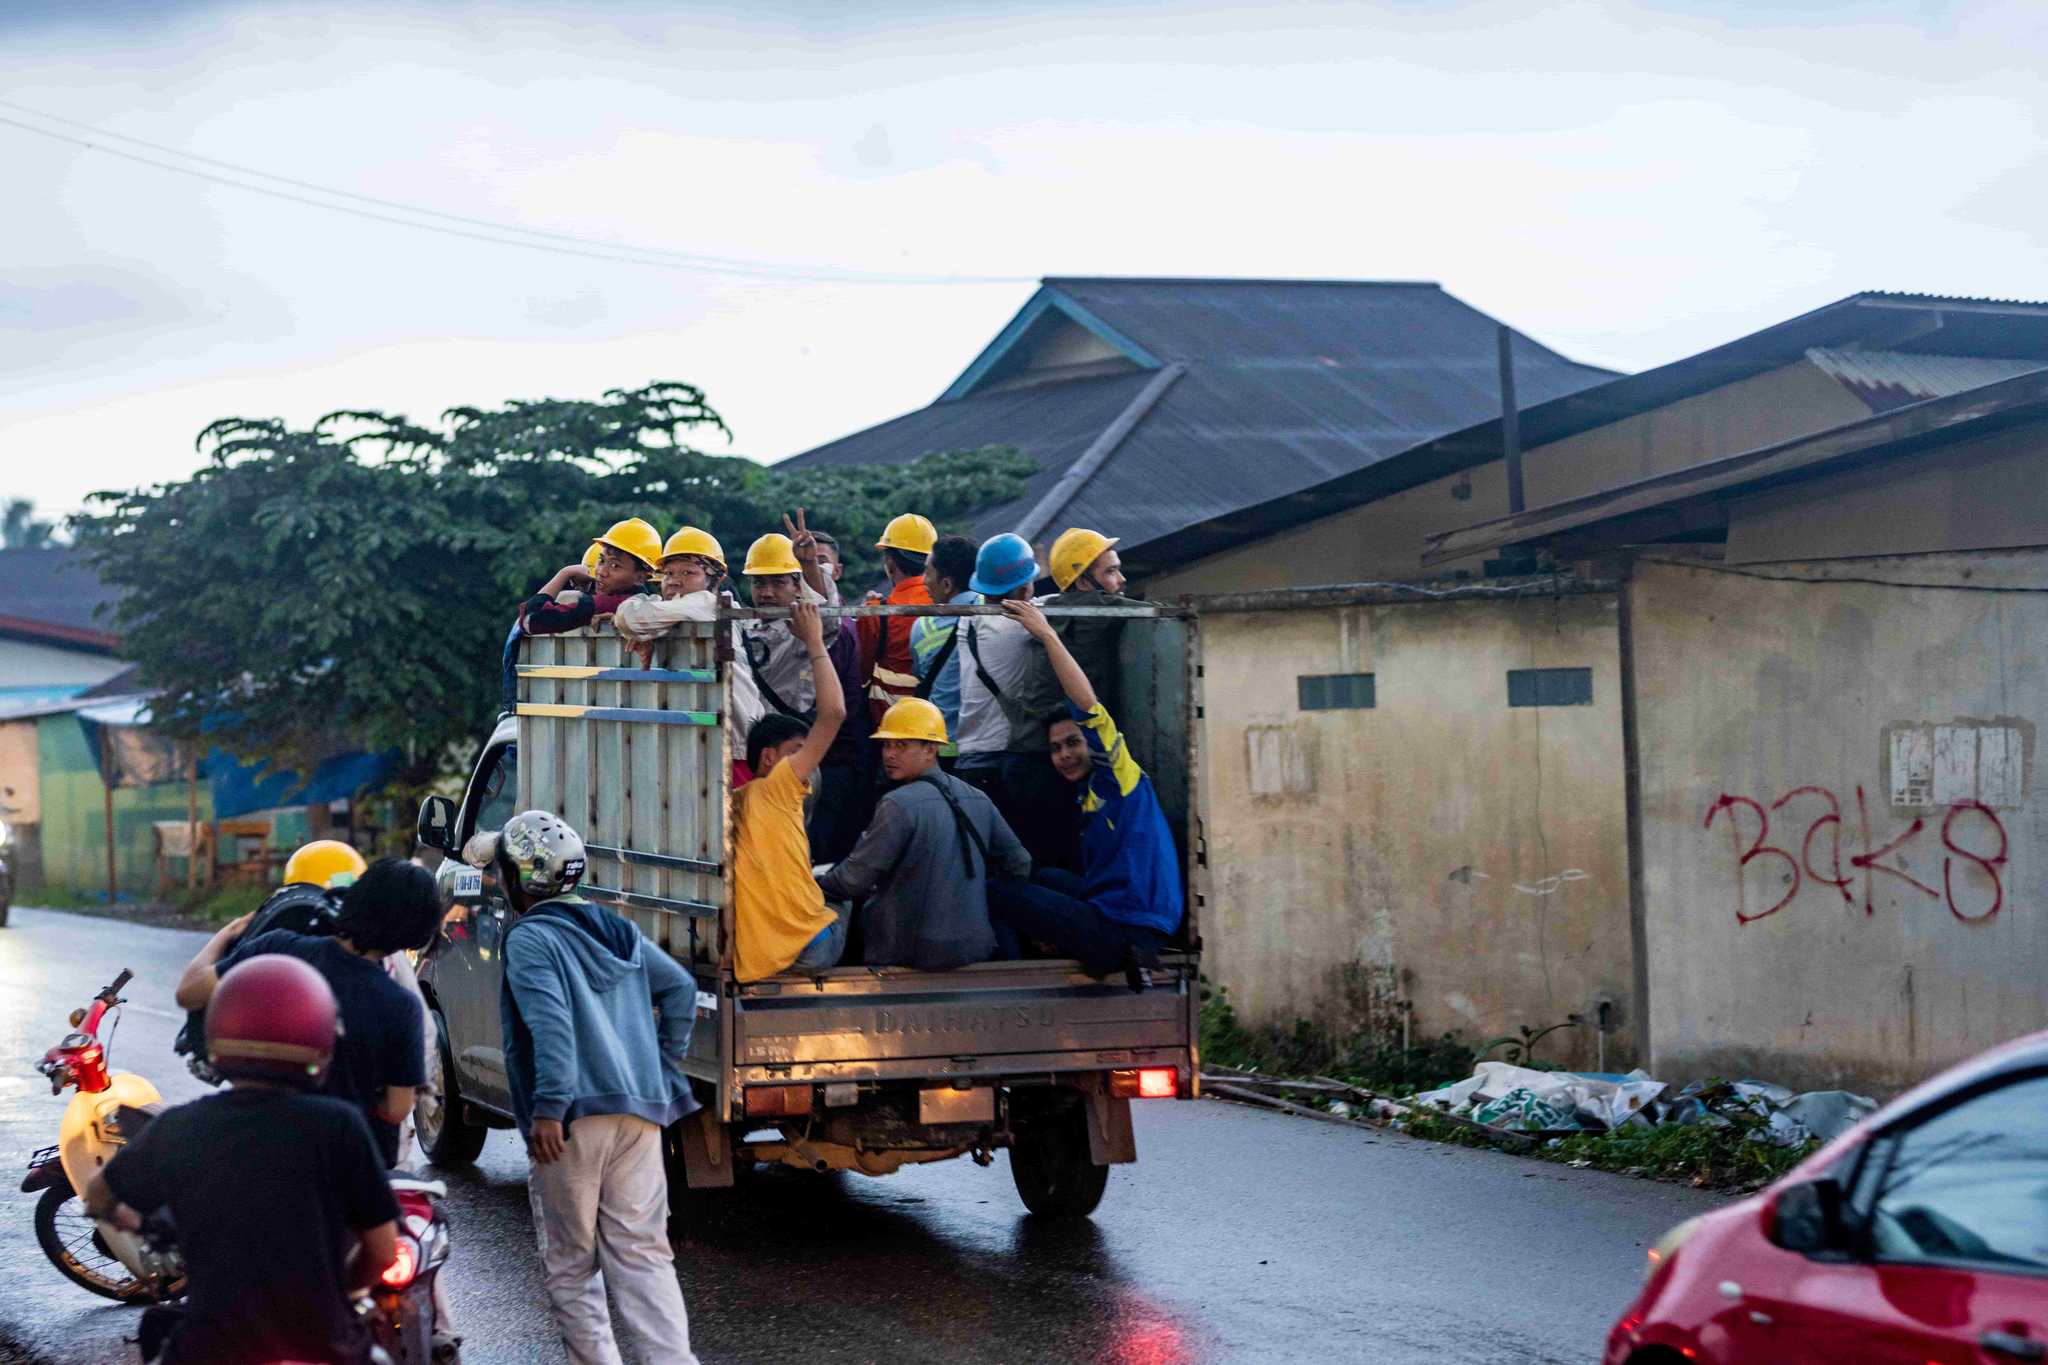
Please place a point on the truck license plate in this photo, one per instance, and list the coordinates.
(956, 1106)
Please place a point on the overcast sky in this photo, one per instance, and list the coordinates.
(1626, 182)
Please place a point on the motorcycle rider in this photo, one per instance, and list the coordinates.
(381, 1058)
(315, 876)
(270, 1186)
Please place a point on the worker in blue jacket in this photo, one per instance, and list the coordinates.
(1127, 902)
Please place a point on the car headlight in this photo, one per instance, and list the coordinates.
(1667, 1246)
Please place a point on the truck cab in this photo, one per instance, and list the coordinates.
(866, 1069)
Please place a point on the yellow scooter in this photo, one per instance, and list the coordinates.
(94, 1255)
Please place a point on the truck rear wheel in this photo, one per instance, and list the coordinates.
(440, 1120)
(1049, 1163)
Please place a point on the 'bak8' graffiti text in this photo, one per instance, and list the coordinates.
(1803, 839)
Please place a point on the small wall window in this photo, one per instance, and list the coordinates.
(1335, 691)
(1550, 687)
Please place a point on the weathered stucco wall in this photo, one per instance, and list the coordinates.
(1381, 541)
(1842, 823)
(1440, 847)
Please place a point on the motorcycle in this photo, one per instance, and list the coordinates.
(397, 1310)
(107, 1111)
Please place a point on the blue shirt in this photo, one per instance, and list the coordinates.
(1129, 863)
(582, 988)
(928, 635)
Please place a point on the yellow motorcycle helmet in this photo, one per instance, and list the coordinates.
(324, 863)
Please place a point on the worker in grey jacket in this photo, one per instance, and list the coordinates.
(924, 862)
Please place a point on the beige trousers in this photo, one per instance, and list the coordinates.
(601, 1213)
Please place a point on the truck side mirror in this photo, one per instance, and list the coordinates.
(437, 824)
(1808, 1217)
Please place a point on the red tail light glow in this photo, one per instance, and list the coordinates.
(1148, 1083)
(777, 1101)
(404, 1265)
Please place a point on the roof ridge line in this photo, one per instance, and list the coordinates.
(1237, 279)
(1090, 461)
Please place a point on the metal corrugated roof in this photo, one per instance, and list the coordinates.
(1288, 383)
(1919, 426)
(52, 594)
(1919, 324)
(1892, 379)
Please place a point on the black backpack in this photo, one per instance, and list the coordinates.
(300, 907)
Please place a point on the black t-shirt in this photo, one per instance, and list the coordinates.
(382, 1037)
(268, 1189)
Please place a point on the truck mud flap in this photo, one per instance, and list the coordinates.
(1110, 1140)
(706, 1146)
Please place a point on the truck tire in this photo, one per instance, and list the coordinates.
(440, 1120)
(1049, 1163)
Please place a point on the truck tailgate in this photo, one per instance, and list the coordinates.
(995, 1018)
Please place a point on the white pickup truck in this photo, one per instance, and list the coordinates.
(856, 1068)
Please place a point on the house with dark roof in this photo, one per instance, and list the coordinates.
(1866, 354)
(1745, 782)
(1151, 405)
(53, 645)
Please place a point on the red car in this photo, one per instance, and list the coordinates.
(1918, 1237)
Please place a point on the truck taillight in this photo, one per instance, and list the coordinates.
(777, 1101)
(1145, 1083)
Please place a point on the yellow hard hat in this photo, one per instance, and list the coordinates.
(691, 541)
(1073, 552)
(913, 718)
(909, 532)
(771, 554)
(636, 538)
(325, 862)
(592, 555)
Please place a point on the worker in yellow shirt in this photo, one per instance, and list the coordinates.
(781, 918)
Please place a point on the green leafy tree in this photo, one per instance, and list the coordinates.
(349, 584)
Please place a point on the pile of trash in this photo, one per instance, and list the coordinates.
(1551, 1103)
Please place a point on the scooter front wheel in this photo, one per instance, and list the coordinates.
(71, 1239)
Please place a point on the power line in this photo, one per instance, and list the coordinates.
(474, 229)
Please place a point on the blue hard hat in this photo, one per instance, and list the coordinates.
(1003, 565)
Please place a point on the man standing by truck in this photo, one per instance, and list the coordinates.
(594, 1080)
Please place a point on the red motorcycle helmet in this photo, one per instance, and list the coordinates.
(272, 1018)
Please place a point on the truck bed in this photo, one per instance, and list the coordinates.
(986, 1019)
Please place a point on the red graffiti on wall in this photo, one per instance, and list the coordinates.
(1968, 830)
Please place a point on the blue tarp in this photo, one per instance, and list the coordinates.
(138, 758)
(239, 789)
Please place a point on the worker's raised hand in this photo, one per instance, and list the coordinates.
(807, 625)
(803, 542)
(1027, 615)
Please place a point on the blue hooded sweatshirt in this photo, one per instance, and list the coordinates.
(578, 1007)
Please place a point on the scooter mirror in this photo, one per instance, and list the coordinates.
(77, 1018)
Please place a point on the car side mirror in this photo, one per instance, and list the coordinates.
(437, 824)
(1808, 1217)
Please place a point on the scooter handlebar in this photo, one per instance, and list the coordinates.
(114, 990)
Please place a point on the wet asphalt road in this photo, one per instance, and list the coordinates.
(1239, 1236)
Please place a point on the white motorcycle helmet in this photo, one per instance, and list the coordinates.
(540, 853)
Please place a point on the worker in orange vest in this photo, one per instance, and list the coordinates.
(886, 665)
